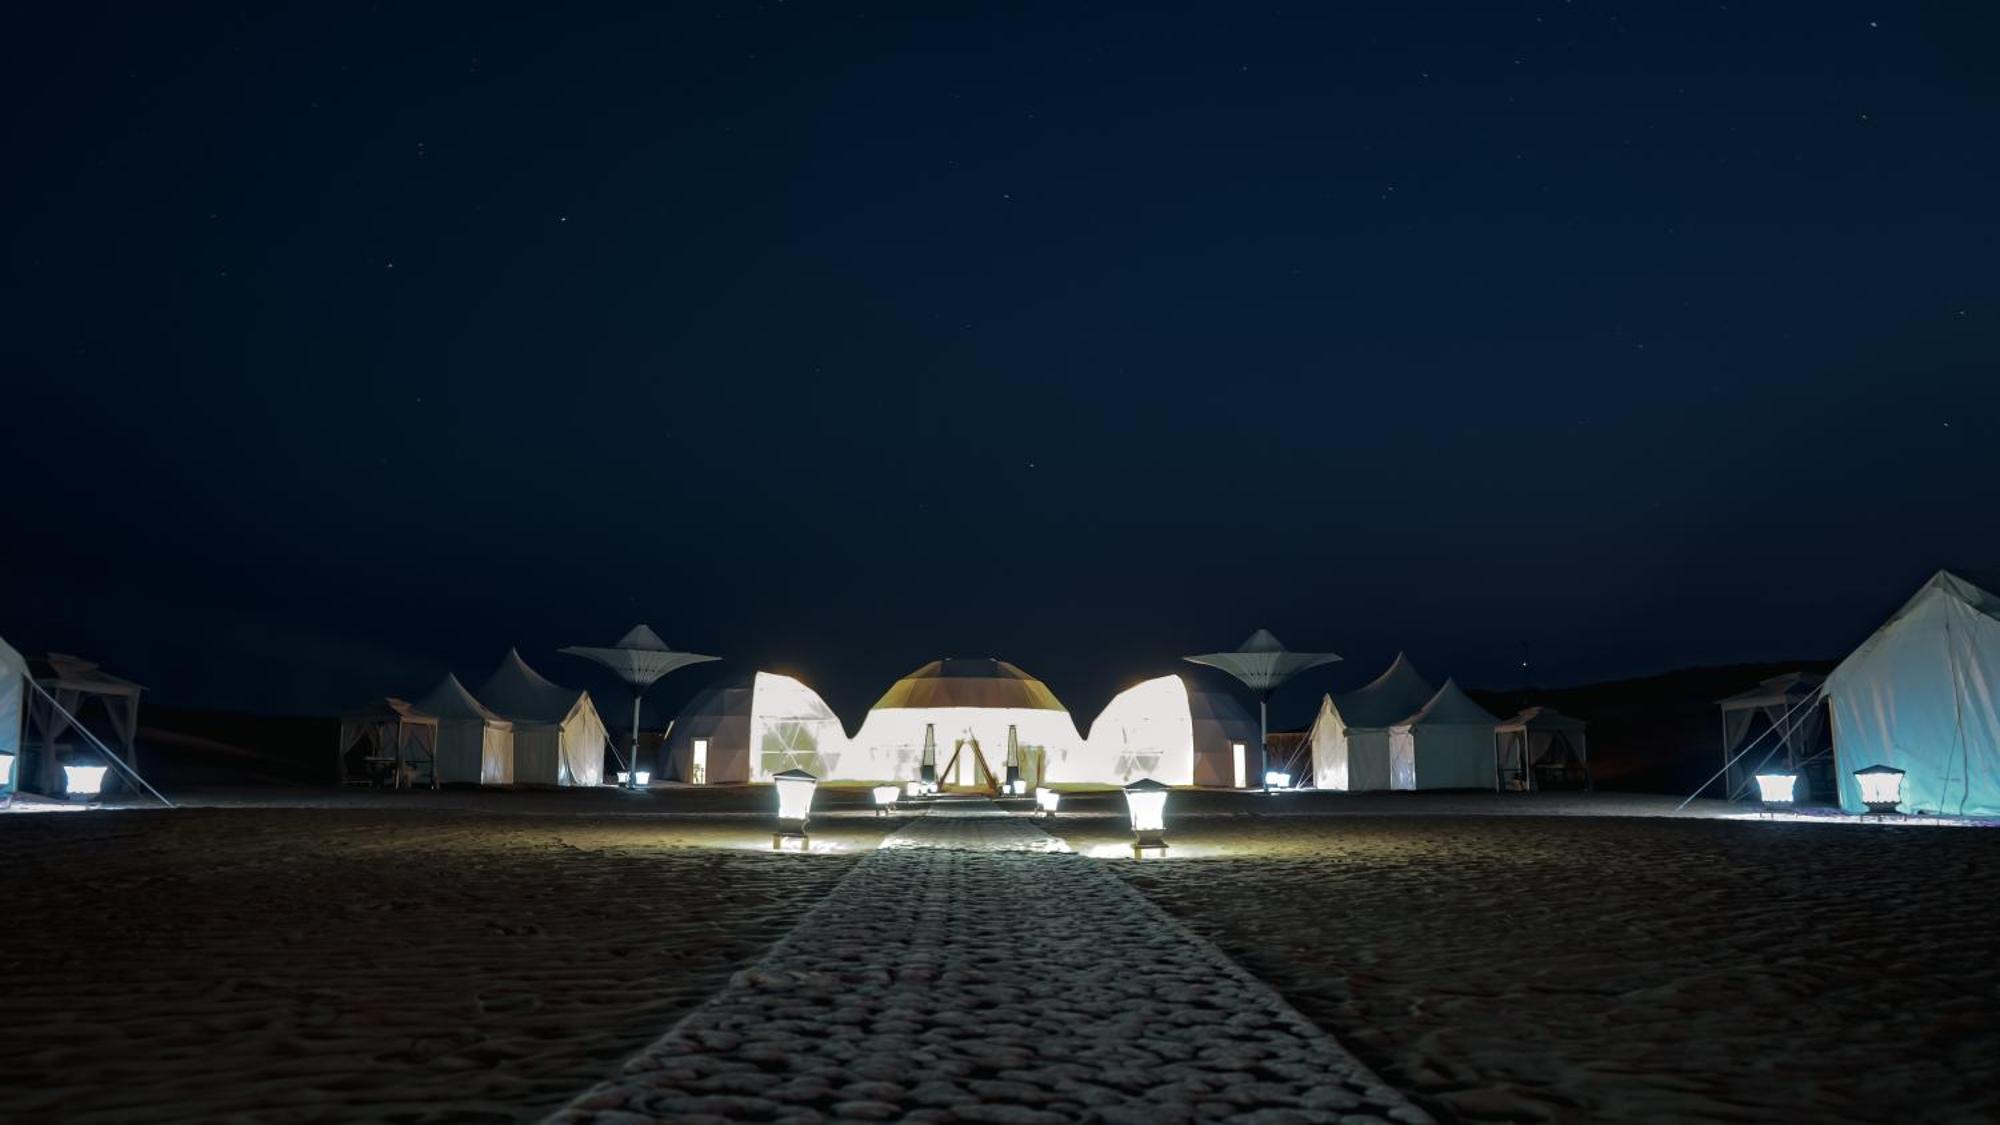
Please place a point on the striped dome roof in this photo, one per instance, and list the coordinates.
(978, 682)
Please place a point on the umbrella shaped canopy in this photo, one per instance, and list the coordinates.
(1263, 662)
(640, 657)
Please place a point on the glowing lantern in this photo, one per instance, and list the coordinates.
(913, 790)
(1146, 800)
(885, 799)
(1018, 787)
(1881, 788)
(1778, 787)
(84, 781)
(6, 771)
(1277, 779)
(644, 778)
(1047, 799)
(795, 799)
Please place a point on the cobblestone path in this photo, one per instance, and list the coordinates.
(974, 970)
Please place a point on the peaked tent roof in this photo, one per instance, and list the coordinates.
(1397, 694)
(518, 692)
(1263, 662)
(1542, 718)
(1451, 707)
(450, 700)
(640, 656)
(77, 674)
(981, 682)
(1945, 584)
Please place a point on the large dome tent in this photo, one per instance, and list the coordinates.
(749, 728)
(968, 707)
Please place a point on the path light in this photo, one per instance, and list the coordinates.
(644, 778)
(84, 781)
(1881, 788)
(1047, 799)
(1146, 800)
(885, 799)
(1019, 787)
(914, 789)
(795, 802)
(1277, 779)
(1777, 787)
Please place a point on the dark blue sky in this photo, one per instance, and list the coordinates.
(345, 347)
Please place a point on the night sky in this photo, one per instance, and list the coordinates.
(344, 347)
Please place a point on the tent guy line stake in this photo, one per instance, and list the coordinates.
(125, 768)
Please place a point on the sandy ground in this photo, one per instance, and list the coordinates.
(1625, 968)
(392, 957)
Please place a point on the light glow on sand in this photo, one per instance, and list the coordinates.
(84, 781)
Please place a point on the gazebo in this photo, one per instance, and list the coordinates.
(1785, 704)
(388, 740)
(1541, 748)
(69, 685)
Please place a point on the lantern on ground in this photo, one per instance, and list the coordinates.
(795, 799)
(637, 779)
(885, 799)
(1277, 779)
(1047, 799)
(1881, 788)
(84, 781)
(1146, 801)
(6, 780)
(1018, 787)
(1777, 787)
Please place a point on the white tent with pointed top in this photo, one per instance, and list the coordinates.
(474, 745)
(1446, 745)
(1350, 736)
(558, 737)
(1923, 695)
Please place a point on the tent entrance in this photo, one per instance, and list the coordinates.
(967, 771)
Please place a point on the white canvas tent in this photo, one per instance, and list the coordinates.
(558, 737)
(1446, 745)
(474, 745)
(13, 714)
(1541, 748)
(1350, 737)
(1923, 695)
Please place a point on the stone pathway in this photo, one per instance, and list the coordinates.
(975, 970)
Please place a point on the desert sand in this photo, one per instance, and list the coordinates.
(1629, 968)
(390, 958)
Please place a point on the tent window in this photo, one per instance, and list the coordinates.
(699, 774)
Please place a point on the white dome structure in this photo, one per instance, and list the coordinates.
(1172, 731)
(750, 728)
(969, 711)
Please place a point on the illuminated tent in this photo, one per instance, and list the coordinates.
(1552, 744)
(474, 745)
(558, 737)
(1446, 745)
(1923, 695)
(1350, 737)
(13, 713)
(1172, 731)
(753, 727)
(967, 705)
(389, 741)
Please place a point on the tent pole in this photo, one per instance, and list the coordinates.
(632, 767)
